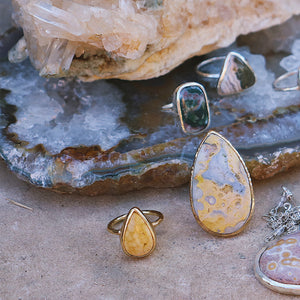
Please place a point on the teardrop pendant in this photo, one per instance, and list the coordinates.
(277, 265)
(138, 237)
(221, 192)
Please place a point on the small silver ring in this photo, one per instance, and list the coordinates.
(283, 77)
(190, 103)
(170, 108)
(206, 62)
(236, 75)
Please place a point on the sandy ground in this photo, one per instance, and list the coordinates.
(62, 250)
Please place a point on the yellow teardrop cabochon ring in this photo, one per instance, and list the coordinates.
(137, 235)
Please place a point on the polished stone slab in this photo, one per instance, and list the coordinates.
(112, 136)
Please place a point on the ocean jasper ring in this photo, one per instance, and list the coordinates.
(221, 192)
(137, 235)
(191, 104)
(277, 86)
(236, 74)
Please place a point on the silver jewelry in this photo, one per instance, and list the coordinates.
(277, 266)
(277, 87)
(284, 218)
(236, 74)
(191, 105)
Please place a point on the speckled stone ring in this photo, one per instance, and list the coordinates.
(221, 192)
(191, 104)
(137, 235)
(277, 265)
(236, 74)
(278, 87)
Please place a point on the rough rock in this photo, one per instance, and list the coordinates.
(135, 39)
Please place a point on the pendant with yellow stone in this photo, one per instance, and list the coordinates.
(221, 192)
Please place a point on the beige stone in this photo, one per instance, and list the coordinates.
(131, 39)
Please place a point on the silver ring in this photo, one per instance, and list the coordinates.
(283, 77)
(207, 62)
(191, 105)
(235, 76)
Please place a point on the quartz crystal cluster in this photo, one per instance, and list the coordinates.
(57, 30)
(133, 39)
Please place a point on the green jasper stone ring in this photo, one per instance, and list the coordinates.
(191, 104)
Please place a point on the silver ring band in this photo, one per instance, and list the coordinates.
(170, 108)
(206, 62)
(284, 76)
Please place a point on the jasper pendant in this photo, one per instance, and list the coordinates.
(277, 266)
(221, 192)
(138, 237)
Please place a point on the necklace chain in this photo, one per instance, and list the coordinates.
(284, 218)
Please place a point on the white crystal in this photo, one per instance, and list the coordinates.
(136, 39)
(58, 27)
(42, 104)
(19, 52)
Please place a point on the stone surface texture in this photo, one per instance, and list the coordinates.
(281, 260)
(52, 134)
(62, 249)
(134, 144)
(221, 192)
(236, 76)
(138, 237)
(131, 39)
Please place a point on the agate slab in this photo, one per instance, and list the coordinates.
(277, 266)
(138, 237)
(111, 136)
(221, 191)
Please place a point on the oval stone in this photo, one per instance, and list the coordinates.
(221, 192)
(192, 107)
(278, 265)
(138, 237)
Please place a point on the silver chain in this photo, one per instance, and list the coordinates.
(284, 218)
